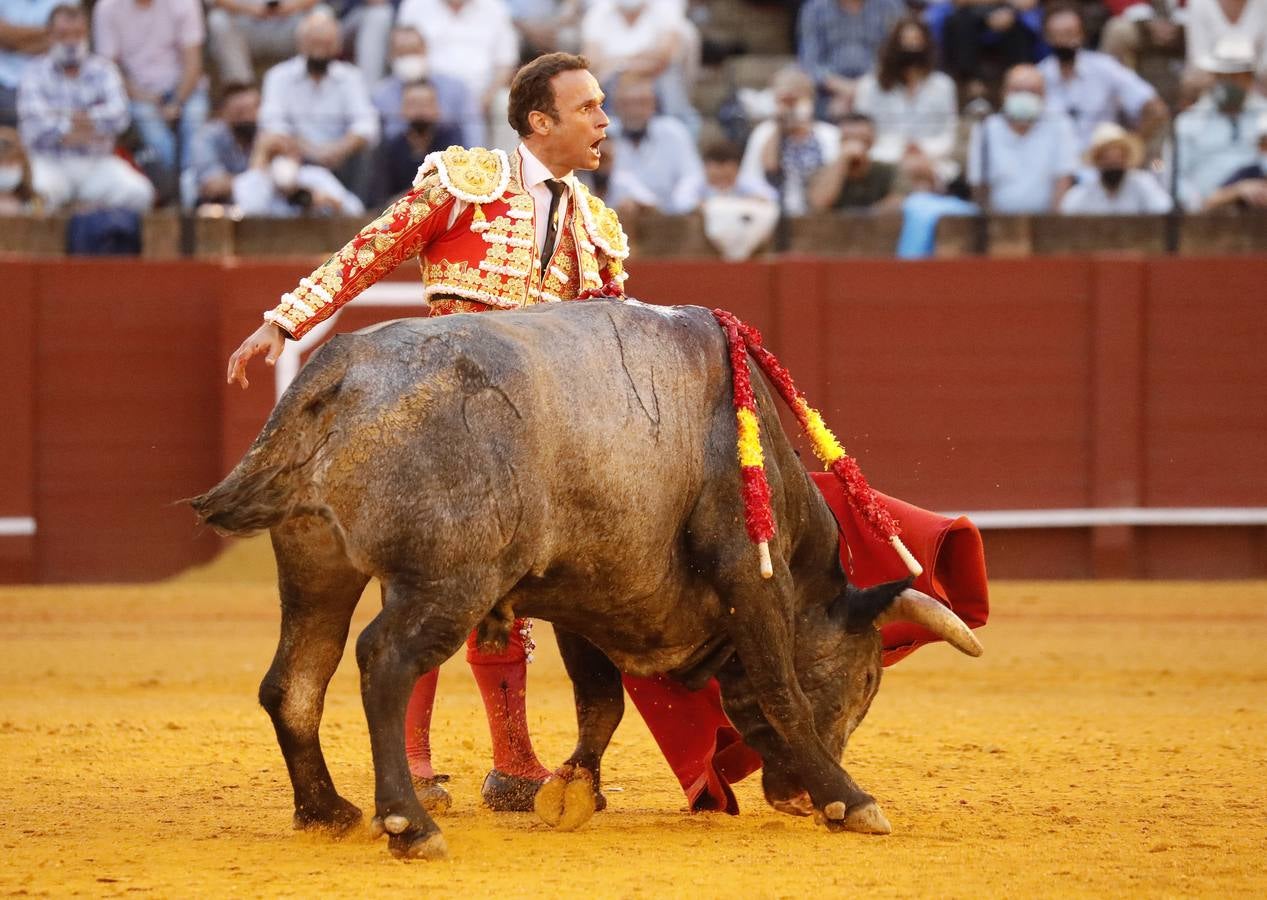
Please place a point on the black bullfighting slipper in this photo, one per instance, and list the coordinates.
(434, 798)
(503, 792)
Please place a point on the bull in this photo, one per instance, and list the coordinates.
(574, 463)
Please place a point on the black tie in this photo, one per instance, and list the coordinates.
(556, 188)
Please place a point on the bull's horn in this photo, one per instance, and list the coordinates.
(915, 606)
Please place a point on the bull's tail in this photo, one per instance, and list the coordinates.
(274, 480)
(252, 500)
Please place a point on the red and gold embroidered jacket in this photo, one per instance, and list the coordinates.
(488, 255)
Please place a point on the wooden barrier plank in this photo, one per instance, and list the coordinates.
(18, 340)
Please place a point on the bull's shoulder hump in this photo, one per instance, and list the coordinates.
(471, 174)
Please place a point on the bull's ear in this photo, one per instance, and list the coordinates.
(858, 608)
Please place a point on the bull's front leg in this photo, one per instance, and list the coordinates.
(783, 730)
(418, 628)
(571, 796)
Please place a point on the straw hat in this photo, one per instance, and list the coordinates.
(1232, 54)
(1107, 134)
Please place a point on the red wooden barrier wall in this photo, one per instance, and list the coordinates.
(959, 384)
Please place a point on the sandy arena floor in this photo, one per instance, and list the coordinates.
(1112, 741)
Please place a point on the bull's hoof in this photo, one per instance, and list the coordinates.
(432, 795)
(412, 844)
(337, 821)
(865, 818)
(503, 792)
(800, 805)
(567, 800)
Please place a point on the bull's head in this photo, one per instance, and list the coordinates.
(838, 665)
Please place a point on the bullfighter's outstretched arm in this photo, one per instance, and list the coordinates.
(402, 231)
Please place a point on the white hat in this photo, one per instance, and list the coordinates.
(1232, 54)
(1109, 133)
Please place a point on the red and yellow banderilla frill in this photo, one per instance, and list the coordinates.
(743, 340)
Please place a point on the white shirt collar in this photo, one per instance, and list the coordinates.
(534, 172)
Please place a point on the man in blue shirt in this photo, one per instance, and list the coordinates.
(23, 36)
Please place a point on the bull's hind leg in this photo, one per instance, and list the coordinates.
(570, 796)
(319, 590)
(421, 625)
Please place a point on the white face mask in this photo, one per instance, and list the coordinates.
(1023, 106)
(285, 172)
(67, 55)
(411, 68)
(10, 177)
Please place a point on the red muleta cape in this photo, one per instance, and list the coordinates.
(705, 751)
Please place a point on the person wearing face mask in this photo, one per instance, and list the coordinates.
(408, 63)
(280, 184)
(1115, 185)
(397, 159)
(17, 188)
(1246, 188)
(242, 33)
(323, 103)
(1217, 135)
(787, 150)
(1021, 160)
(222, 148)
(914, 107)
(72, 107)
(657, 164)
(473, 41)
(1093, 87)
(650, 39)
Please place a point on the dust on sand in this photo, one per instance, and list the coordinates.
(1111, 741)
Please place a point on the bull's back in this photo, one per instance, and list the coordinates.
(560, 431)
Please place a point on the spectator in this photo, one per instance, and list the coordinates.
(242, 30)
(647, 38)
(837, 43)
(1210, 21)
(222, 148)
(23, 36)
(785, 151)
(409, 65)
(323, 103)
(1093, 87)
(1022, 160)
(367, 26)
(723, 178)
(397, 159)
(1217, 135)
(855, 181)
(1153, 27)
(470, 40)
(71, 108)
(656, 162)
(1116, 185)
(545, 26)
(17, 187)
(278, 183)
(1247, 186)
(982, 39)
(157, 45)
(924, 206)
(914, 107)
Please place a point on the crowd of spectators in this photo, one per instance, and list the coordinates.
(305, 107)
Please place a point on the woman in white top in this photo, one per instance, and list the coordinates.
(914, 107)
(1209, 20)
